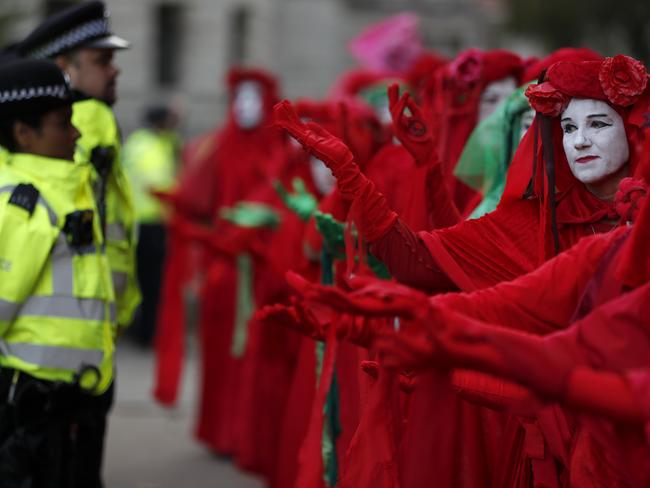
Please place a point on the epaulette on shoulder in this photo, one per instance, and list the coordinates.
(25, 196)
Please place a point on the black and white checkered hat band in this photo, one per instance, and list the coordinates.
(89, 30)
(52, 91)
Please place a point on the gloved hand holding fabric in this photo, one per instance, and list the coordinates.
(300, 201)
(413, 131)
(375, 218)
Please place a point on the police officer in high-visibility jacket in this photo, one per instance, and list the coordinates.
(57, 307)
(79, 40)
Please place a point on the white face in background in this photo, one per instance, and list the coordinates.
(594, 140)
(526, 121)
(493, 94)
(248, 104)
(382, 111)
(324, 181)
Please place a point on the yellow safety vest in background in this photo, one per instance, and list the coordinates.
(96, 122)
(149, 159)
(57, 309)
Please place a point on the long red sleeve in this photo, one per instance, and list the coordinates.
(409, 260)
(542, 301)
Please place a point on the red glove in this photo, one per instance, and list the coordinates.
(294, 316)
(543, 364)
(377, 298)
(412, 130)
(375, 216)
(410, 349)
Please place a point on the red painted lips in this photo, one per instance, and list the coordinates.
(586, 159)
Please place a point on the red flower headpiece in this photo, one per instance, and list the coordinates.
(474, 67)
(619, 81)
(622, 79)
(534, 69)
(466, 69)
(546, 99)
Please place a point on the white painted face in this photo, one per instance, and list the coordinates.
(493, 94)
(382, 111)
(248, 104)
(526, 121)
(324, 181)
(594, 140)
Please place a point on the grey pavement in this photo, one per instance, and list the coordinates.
(148, 446)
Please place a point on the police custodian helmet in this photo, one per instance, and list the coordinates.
(81, 26)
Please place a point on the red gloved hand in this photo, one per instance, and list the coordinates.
(362, 331)
(410, 349)
(376, 298)
(543, 364)
(329, 149)
(295, 316)
(412, 130)
(375, 216)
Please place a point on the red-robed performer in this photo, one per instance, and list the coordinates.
(511, 241)
(591, 304)
(596, 291)
(460, 96)
(245, 153)
(357, 124)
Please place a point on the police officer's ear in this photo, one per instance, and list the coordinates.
(69, 63)
(23, 135)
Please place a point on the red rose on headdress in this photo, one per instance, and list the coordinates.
(546, 99)
(630, 197)
(622, 79)
(466, 69)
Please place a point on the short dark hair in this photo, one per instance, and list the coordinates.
(72, 56)
(7, 139)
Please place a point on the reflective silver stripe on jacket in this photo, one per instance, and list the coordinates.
(116, 232)
(52, 356)
(66, 307)
(8, 310)
(62, 267)
(41, 201)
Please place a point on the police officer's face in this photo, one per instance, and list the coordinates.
(93, 72)
(55, 138)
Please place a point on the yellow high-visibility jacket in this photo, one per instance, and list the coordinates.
(149, 159)
(96, 122)
(57, 307)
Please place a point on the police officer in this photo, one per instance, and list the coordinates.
(57, 326)
(80, 41)
(149, 156)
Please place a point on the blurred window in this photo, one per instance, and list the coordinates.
(239, 32)
(169, 45)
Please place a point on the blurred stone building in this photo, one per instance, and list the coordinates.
(182, 48)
